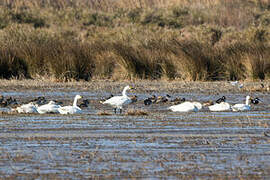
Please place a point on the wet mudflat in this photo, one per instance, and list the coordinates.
(161, 144)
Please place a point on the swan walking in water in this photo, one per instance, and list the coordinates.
(119, 101)
(74, 109)
(185, 107)
(242, 107)
(27, 108)
(51, 107)
(222, 106)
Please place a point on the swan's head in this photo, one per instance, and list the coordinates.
(128, 87)
(78, 96)
(125, 89)
(248, 98)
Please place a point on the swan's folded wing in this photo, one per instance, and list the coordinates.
(48, 108)
(69, 110)
(65, 109)
(223, 106)
(118, 101)
(184, 107)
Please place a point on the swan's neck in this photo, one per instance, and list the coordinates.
(124, 92)
(247, 101)
(75, 102)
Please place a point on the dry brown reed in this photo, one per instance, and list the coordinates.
(103, 113)
(135, 39)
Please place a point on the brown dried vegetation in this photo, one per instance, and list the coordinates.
(175, 39)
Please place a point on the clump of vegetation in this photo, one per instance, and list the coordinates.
(12, 66)
(136, 112)
(186, 40)
(103, 113)
(27, 18)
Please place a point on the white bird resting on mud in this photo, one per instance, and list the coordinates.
(242, 107)
(27, 108)
(234, 83)
(74, 109)
(119, 101)
(220, 105)
(223, 106)
(186, 107)
(51, 107)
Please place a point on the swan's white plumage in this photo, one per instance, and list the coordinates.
(119, 101)
(242, 107)
(223, 106)
(51, 107)
(198, 105)
(184, 107)
(27, 108)
(74, 109)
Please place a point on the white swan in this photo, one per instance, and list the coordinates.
(185, 107)
(223, 106)
(51, 107)
(74, 109)
(242, 107)
(27, 108)
(234, 83)
(119, 101)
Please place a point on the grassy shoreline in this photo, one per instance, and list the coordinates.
(142, 86)
(127, 40)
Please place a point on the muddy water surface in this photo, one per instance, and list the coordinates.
(160, 144)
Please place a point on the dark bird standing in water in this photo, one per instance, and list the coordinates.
(8, 102)
(178, 100)
(222, 99)
(134, 98)
(163, 99)
(150, 100)
(255, 100)
(85, 103)
(39, 100)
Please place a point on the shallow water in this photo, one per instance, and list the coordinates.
(162, 144)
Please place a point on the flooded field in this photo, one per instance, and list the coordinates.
(161, 144)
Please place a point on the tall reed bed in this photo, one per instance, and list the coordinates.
(144, 39)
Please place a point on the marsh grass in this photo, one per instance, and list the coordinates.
(186, 40)
(104, 113)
